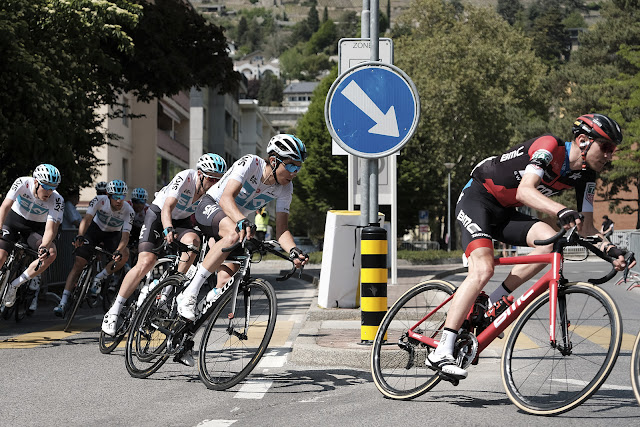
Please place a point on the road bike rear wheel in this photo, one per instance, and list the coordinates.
(232, 347)
(542, 379)
(79, 294)
(397, 362)
(635, 368)
(147, 341)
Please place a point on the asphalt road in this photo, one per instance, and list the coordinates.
(53, 378)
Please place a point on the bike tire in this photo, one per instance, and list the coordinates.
(79, 294)
(537, 377)
(398, 363)
(108, 343)
(635, 368)
(146, 344)
(228, 351)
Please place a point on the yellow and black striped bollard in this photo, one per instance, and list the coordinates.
(373, 279)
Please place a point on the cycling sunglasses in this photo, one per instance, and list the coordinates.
(290, 167)
(211, 178)
(117, 196)
(48, 187)
(137, 201)
(607, 147)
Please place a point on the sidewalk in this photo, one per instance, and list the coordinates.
(332, 336)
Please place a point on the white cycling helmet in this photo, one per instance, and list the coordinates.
(286, 146)
(47, 174)
(101, 187)
(117, 187)
(139, 194)
(211, 163)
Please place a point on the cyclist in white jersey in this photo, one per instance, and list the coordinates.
(108, 220)
(249, 184)
(32, 209)
(168, 217)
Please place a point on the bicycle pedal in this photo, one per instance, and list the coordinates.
(449, 378)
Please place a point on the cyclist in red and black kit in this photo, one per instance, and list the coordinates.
(526, 175)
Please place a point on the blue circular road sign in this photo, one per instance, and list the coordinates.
(372, 109)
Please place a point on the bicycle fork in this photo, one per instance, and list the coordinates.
(565, 347)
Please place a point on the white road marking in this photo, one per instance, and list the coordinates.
(216, 423)
(253, 389)
(602, 387)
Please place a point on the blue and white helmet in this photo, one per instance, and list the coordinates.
(211, 163)
(117, 187)
(47, 174)
(139, 194)
(287, 146)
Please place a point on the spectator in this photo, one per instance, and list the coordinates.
(262, 221)
(606, 230)
(71, 218)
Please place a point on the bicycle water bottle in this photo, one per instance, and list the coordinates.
(145, 291)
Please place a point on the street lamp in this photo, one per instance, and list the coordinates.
(449, 166)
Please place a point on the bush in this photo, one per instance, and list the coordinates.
(431, 256)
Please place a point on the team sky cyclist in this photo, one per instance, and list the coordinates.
(139, 204)
(526, 175)
(101, 188)
(168, 217)
(32, 209)
(108, 221)
(250, 184)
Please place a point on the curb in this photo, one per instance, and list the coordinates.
(306, 351)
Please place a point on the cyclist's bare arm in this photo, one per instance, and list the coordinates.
(529, 195)
(283, 235)
(4, 210)
(82, 229)
(228, 203)
(165, 215)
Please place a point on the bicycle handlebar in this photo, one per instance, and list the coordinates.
(26, 249)
(253, 245)
(573, 238)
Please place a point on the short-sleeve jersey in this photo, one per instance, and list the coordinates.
(546, 157)
(109, 220)
(183, 188)
(31, 208)
(254, 194)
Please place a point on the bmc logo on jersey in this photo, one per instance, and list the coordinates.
(468, 223)
(512, 154)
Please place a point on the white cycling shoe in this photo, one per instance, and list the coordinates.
(187, 306)
(446, 364)
(109, 324)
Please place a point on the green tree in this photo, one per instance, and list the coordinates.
(323, 40)
(313, 21)
(63, 60)
(486, 81)
(551, 41)
(322, 181)
(509, 10)
(602, 76)
(271, 88)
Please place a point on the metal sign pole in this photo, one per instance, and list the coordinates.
(373, 163)
(364, 173)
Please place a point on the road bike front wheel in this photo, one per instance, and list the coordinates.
(397, 362)
(232, 347)
(152, 325)
(545, 379)
(635, 368)
(79, 294)
(108, 343)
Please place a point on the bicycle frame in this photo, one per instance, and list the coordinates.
(549, 280)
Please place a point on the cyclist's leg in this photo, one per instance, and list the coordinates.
(188, 237)
(475, 212)
(72, 279)
(3, 257)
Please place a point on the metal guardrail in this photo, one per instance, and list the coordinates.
(57, 272)
(418, 245)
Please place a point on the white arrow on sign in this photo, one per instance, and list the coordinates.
(386, 124)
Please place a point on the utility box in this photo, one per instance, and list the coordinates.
(340, 274)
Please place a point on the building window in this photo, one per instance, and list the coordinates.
(166, 170)
(125, 113)
(228, 123)
(235, 130)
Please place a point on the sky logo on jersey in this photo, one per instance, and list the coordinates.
(109, 220)
(183, 202)
(31, 207)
